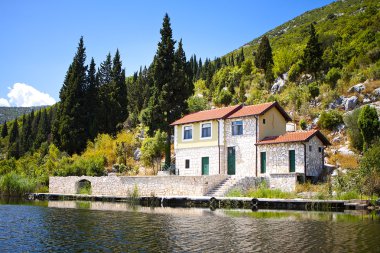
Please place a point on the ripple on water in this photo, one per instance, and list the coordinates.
(36, 229)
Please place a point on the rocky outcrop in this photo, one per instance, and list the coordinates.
(279, 84)
(351, 103)
(357, 88)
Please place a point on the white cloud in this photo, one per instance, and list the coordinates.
(4, 102)
(25, 95)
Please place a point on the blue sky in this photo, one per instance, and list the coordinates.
(39, 38)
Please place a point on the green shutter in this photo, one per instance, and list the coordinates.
(231, 161)
(292, 161)
(263, 163)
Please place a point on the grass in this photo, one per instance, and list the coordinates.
(261, 192)
(85, 188)
(15, 185)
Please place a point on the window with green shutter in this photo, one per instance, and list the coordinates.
(263, 162)
(292, 161)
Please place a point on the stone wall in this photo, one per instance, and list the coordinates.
(246, 183)
(147, 186)
(284, 182)
(277, 158)
(314, 158)
(195, 156)
(245, 149)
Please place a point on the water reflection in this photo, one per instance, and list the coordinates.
(109, 227)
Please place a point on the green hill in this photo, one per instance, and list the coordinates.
(11, 113)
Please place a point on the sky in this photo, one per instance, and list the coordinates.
(38, 39)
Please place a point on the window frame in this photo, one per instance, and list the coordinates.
(201, 130)
(242, 127)
(183, 132)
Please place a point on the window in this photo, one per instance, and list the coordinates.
(237, 127)
(264, 121)
(206, 130)
(310, 148)
(187, 163)
(320, 149)
(188, 133)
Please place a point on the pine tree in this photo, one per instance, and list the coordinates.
(26, 135)
(70, 125)
(242, 91)
(43, 130)
(264, 57)
(92, 101)
(312, 55)
(4, 130)
(170, 90)
(14, 145)
(119, 110)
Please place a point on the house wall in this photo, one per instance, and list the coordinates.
(275, 124)
(195, 156)
(245, 149)
(277, 158)
(314, 159)
(197, 141)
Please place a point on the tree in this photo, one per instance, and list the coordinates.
(170, 86)
(4, 130)
(43, 130)
(242, 91)
(312, 55)
(152, 150)
(369, 124)
(92, 101)
(351, 122)
(14, 145)
(264, 57)
(71, 122)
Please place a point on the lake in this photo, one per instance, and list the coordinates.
(76, 226)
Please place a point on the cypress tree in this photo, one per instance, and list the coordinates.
(26, 135)
(312, 55)
(264, 57)
(92, 101)
(43, 130)
(4, 130)
(104, 79)
(369, 125)
(170, 88)
(71, 122)
(14, 146)
(119, 110)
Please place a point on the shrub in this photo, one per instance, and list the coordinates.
(13, 184)
(330, 119)
(303, 124)
(351, 122)
(224, 97)
(197, 103)
(333, 76)
(295, 71)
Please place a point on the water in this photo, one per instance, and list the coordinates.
(69, 226)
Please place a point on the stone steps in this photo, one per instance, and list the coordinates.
(223, 188)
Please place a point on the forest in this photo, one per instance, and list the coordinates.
(107, 122)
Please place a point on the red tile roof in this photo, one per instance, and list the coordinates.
(259, 110)
(299, 136)
(207, 115)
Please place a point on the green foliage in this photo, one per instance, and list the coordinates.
(152, 150)
(369, 125)
(261, 192)
(303, 124)
(295, 71)
(330, 119)
(312, 55)
(196, 104)
(12, 184)
(313, 90)
(354, 134)
(4, 130)
(370, 170)
(333, 76)
(224, 97)
(264, 57)
(85, 188)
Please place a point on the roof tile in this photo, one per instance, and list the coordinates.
(298, 136)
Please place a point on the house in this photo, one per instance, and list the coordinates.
(246, 141)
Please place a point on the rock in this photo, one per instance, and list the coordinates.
(357, 88)
(366, 100)
(376, 92)
(345, 151)
(351, 102)
(279, 84)
(137, 154)
(336, 139)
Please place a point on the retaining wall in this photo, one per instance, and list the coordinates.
(147, 186)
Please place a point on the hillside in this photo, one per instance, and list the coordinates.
(11, 113)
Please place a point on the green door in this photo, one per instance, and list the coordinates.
(292, 161)
(231, 161)
(263, 162)
(205, 165)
